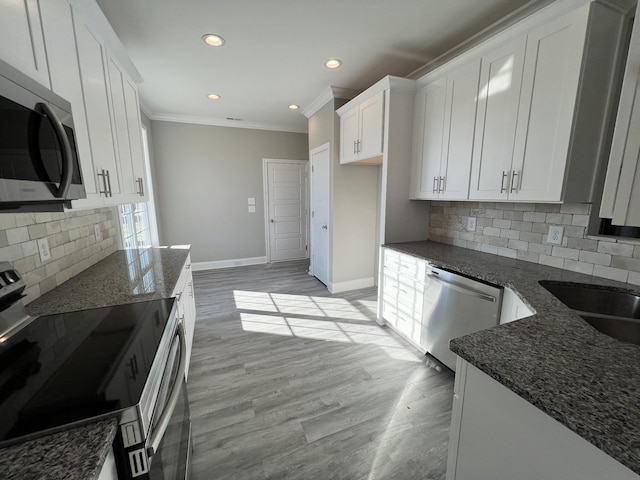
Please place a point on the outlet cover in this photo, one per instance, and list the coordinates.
(471, 224)
(98, 232)
(555, 234)
(252, 209)
(43, 248)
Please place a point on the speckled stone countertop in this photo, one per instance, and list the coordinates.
(79, 453)
(75, 454)
(109, 282)
(554, 359)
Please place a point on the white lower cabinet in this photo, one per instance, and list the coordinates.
(513, 308)
(108, 470)
(497, 435)
(185, 297)
(403, 294)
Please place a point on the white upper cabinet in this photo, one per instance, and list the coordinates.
(621, 197)
(498, 98)
(104, 102)
(362, 131)
(549, 91)
(544, 106)
(443, 137)
(21, 40)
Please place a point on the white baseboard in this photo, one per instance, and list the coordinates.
(357, 284)
(236, 262)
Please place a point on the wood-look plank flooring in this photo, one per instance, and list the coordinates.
(290, 382)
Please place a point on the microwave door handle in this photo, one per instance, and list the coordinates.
(67, 165)
(156, 436)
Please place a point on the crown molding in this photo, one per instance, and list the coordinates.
(219, 122)
(327, 95)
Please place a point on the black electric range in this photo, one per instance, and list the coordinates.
(78, 366)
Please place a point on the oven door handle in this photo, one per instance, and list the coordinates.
(156, 437)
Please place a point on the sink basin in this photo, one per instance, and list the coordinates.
(612, 312)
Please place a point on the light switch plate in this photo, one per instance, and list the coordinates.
(252, 209)
(251, 201)
(471, 224)
(98, 232)
(555, 234)
(43, 248)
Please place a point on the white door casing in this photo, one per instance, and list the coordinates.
(285, 189)
(320, 159)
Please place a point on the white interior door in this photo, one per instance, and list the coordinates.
(286, 187)
(320, 164)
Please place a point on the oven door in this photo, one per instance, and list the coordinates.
(169, 442)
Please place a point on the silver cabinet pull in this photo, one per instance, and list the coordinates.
(502, 187)
(514, 187)
(441, 184)
(354, 148)
(140, 186)
(435, 184)
(106, 181)
(324, 227)
(109, 183)
(359, 143)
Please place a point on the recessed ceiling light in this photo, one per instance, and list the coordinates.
(213, 40)
(293, 106)
(332, 63)
(213, 96)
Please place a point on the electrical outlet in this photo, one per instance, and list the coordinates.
(555, 235)
(43, 248)
(252, 209)
(98, 232)
(471, 224)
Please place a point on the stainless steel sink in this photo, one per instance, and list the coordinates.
(613, 312)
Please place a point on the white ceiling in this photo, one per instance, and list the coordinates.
(276, 49)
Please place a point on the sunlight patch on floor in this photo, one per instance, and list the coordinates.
(292, 320)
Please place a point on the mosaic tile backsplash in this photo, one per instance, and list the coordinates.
(72, 243)
(519, 230)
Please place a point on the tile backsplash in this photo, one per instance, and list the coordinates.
(519, 230)
(72, 243)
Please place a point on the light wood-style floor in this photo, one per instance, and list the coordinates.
(290, 382)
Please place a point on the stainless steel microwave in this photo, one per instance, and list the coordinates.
(39, 167)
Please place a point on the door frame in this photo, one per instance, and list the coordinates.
(265, 189)
(324, 146)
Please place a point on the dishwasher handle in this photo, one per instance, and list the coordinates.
(462, 289)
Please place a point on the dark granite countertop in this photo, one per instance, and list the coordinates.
(79, 453)
(554, 359)
(125, 276)
(74, 454)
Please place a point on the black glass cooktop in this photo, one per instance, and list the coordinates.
(70, 367)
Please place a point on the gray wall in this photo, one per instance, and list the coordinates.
(204, 175)
(354, 203)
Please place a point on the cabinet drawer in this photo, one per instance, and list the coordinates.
(389, 312)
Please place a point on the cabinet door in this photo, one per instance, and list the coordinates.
(549, 88)
(371, 127)
(430, 112)
(57, 25)
(121, 129)
(92, 60)
(132, 106)
(460, 114)
(349, 131)
(498, 96)
(21, 39)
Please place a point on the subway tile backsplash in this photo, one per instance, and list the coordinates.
(519, 230)
(72, 243)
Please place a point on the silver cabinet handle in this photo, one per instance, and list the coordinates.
(502, 187)
(163, 422)
(324, 227)
(109, 183)
(105, 174)
(514, 184)
(435, 184)
(359, 143)
(441, 184)
(461, 289)
(140, 186)
(354, 148)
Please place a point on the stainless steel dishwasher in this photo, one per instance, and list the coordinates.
(454, 306)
